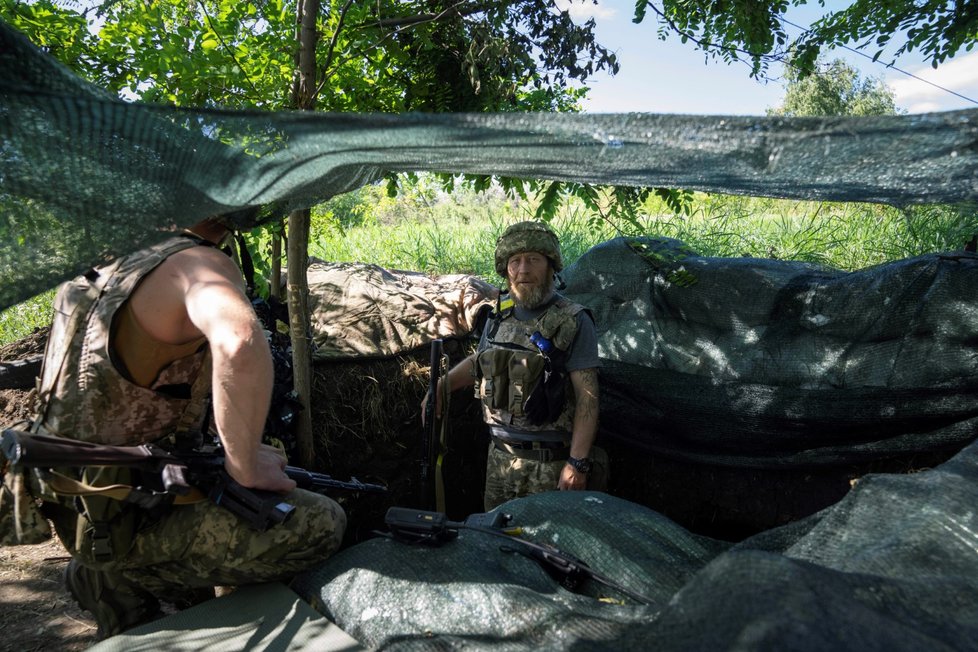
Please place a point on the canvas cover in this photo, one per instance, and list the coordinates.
(890, 567)
(358, 310)
(765, 363)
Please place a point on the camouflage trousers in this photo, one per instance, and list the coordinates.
(509, 477)
(199, 546)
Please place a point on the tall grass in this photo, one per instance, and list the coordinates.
(19, 321)
(431, 231)
(456, 233)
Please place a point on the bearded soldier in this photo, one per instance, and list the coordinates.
(535, 373)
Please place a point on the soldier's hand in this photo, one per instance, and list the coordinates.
(268, 472)
(571, 479)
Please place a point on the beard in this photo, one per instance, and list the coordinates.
(533, 296)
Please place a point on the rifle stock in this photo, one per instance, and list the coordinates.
(41, 450)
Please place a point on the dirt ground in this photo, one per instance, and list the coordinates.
(38, 613)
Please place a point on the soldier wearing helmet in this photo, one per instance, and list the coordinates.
(535, 373)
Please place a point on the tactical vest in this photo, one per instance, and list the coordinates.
(81, 394)
(512, 365)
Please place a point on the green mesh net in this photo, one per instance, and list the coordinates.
(85, 177)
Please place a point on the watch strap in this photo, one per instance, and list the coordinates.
(581, 464)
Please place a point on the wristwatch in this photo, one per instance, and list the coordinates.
(582, 464)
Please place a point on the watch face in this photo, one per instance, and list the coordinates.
(582, 465)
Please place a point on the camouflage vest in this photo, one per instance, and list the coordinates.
(81, 394)
(510, 368)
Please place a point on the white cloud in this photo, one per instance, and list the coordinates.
(581, 10)
(959, 75)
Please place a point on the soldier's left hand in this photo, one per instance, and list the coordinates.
(571, 479)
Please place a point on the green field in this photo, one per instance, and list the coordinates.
(438, 233)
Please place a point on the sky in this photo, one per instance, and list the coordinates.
(671, 77)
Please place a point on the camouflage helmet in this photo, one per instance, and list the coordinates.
(527, 236)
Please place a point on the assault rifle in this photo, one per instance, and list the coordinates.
(193, 475)
(430, 433)
(434, 528)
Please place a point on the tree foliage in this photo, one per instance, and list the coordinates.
(753, 31)
(379, 56)
(835, 89)
(382, 56)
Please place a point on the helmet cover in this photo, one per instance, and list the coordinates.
(527, 236)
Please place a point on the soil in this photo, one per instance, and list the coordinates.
(38, 614)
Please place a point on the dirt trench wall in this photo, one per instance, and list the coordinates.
(366, 417)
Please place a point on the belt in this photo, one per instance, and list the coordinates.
(541, 451)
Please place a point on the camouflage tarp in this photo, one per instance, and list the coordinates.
(365, 311)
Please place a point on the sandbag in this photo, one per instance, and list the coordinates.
(890, 567)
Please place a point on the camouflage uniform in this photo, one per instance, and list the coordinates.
(131, 557)
(508, 476)
(529, 447)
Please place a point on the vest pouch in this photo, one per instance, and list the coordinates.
(547, 398)
(105, 528)
(21, 521)
(493, 387)
(525, 369)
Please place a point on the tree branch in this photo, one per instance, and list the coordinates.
(230, 52)
(331, 50)
(706, 46)
(407, 21)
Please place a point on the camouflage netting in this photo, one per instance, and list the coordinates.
(85, 176)
(890, 567)
(765, 363)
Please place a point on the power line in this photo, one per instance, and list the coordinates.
(890, 65)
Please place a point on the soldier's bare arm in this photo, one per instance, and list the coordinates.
(585, 384)
(199, 291)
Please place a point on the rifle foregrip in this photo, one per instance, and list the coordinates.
(430, 433)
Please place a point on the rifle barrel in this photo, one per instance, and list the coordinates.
(321, 482)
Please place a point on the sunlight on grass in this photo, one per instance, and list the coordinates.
(427, 230)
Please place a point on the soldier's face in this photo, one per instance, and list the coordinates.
(531, 278)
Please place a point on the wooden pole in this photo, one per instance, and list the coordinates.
(304, 97)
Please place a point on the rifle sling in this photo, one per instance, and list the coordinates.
(65, 486)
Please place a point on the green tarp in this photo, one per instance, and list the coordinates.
(85, 177)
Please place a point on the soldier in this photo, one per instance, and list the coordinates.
(136, 349)
(535, 373)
